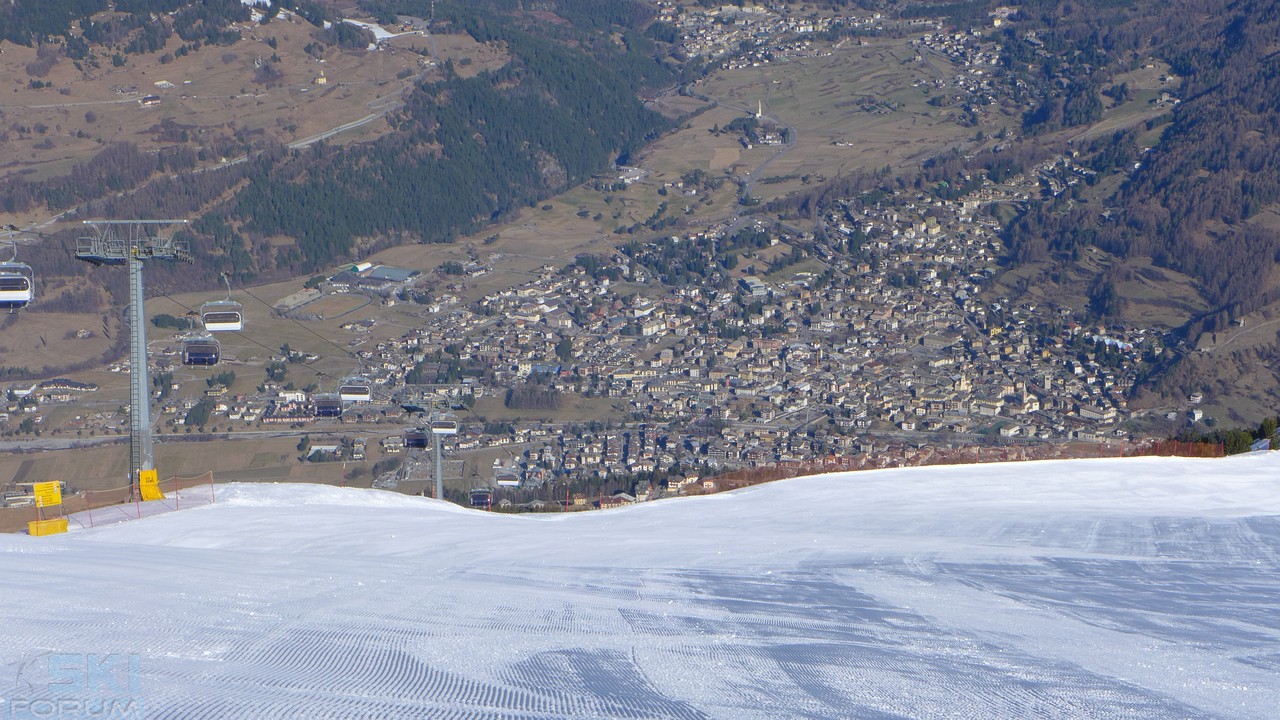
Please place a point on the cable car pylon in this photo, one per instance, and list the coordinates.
(127, 242)
(441, 424)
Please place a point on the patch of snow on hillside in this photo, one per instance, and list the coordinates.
(379, 33)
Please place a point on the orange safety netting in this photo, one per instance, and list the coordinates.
(87, 501)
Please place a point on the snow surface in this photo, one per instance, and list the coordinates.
(379, 32)
(1137, 588)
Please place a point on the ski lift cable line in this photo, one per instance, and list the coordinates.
(242, 335)
(345, 352)
(346, 380)
(340, 349)
(11, 230)
(354, 380)
(232, 322)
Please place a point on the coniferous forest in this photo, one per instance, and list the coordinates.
(466, 151)
(1192, 201)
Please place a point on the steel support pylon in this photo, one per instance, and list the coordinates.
(439, 471)
(142, 455)
(109, 248)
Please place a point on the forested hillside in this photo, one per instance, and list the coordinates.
(1193, 201)
(465, 151)
(462, 151)
(538, 102)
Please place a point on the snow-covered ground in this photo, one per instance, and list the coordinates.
(1139, 588)
(379, 32)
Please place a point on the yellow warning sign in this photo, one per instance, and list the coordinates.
(47, 494)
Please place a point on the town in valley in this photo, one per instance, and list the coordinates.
(701, 325)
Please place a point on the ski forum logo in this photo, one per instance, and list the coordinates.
(74, 686)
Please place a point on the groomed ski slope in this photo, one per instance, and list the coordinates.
(1133, 588)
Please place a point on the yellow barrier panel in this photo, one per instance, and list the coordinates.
(47, 494)
(149, 485)
(47, 527)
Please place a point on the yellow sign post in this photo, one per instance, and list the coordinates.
(48, 494)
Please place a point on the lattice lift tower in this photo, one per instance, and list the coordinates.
(129, 243)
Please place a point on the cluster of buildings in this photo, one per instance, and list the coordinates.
(896, 340)
(382, 280)
(978, 81)
(20, 409)
(882, 327)
(753, 34)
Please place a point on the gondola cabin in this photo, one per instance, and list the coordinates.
(481, 497)
(17, 282)
(328, 405)
(444, 427)
(203, 351)
(222, 316)
(355, 390)
(17, 288)
(417, 439)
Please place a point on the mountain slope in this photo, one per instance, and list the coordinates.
(1120, 588)
(1198, 191)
